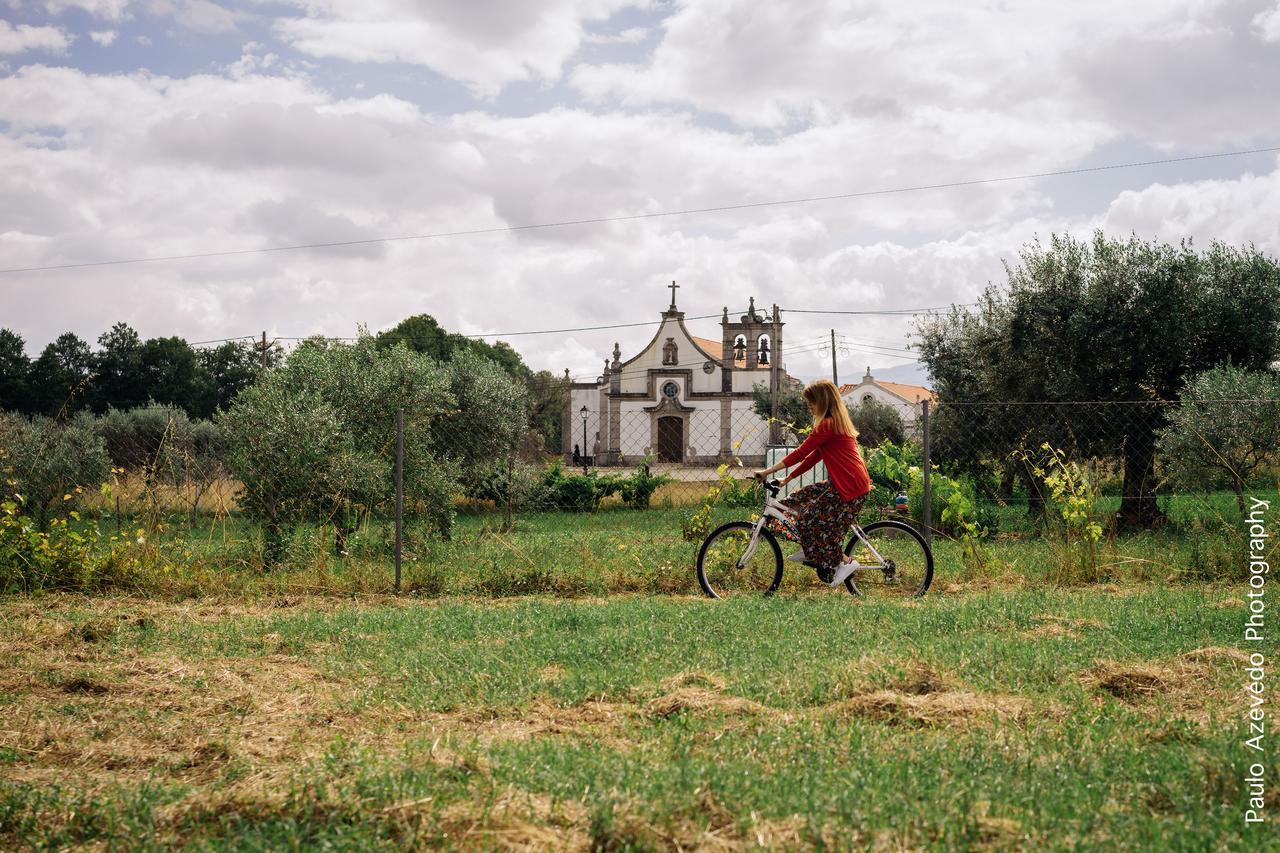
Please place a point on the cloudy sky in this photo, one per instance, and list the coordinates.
(172, 127)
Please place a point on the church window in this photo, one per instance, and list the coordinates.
(671, 390)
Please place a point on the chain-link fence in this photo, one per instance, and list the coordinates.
(333, 471)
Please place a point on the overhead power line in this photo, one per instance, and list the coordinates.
(887, 312)
(599, 220)
(579, 328)
(799, 346)
(223, 340)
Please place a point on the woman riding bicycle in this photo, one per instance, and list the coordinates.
(825, 511)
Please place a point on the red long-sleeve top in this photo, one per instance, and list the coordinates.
(845, 468)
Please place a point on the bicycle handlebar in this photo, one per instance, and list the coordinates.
(774, 486)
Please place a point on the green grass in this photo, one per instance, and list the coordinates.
(983, 718)
(614, 551)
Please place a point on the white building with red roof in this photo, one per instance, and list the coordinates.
(905, 398)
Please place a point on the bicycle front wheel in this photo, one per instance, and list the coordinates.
(901, 565)
(726, 570)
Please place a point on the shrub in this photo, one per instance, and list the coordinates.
(519, 483)
(64, 557)
(51, 464)
(1205, 447)
(578, 492)
(291, 454)
(739, 493)
(638, 489)
(877, 423)
(955, 509)
(725, 491)
(1073, 498)
(891, 467)
(896, 469)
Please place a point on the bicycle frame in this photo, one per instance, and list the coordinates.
(774, 508)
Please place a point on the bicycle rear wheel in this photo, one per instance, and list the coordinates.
(907, 567)
(724, 573)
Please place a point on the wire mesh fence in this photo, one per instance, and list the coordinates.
(320, 482)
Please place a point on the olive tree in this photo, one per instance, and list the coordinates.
(51, 463)
(1226, 427)
(290, 450)
(488, 418)
(1104, 320)
(163, 445)
(315, 440)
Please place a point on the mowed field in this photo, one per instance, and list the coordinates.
(1108, 716)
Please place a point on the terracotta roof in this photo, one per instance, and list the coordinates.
(709, 345)
(911, 393)
(914, 393)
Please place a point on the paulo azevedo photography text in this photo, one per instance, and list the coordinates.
(1255, 636)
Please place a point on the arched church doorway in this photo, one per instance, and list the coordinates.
(670, 439)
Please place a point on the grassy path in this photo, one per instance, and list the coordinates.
(1015, 718)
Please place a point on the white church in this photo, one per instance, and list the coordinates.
(681, 399)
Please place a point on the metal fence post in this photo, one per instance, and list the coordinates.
(399, 492)
(511, 478)
(927, 515)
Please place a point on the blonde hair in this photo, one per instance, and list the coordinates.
(824, 399)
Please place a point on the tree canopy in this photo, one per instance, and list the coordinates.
(126, 371)
(315, 439)
(1102, 319)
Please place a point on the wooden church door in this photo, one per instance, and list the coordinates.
(670, 439)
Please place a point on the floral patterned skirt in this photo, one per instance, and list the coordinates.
(824, 518)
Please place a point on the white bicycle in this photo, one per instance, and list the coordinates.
(745, 557)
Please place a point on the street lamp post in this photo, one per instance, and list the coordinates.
(584, 439)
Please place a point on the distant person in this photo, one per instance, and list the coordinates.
(825, 511)
(577, 455)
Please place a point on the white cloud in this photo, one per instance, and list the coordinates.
(1240, 210)
(485, 46)
(254, 154)
(111, 10)
(103, 37)
(200, 15)
(25, 37)
(1267, 24)
(782, 66)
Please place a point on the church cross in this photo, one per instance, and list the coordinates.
(673, 287)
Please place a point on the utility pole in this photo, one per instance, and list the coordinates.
(263, 354)
(835, 377)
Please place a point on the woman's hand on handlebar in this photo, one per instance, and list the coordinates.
(759, 474)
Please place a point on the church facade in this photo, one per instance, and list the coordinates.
(681, 399)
